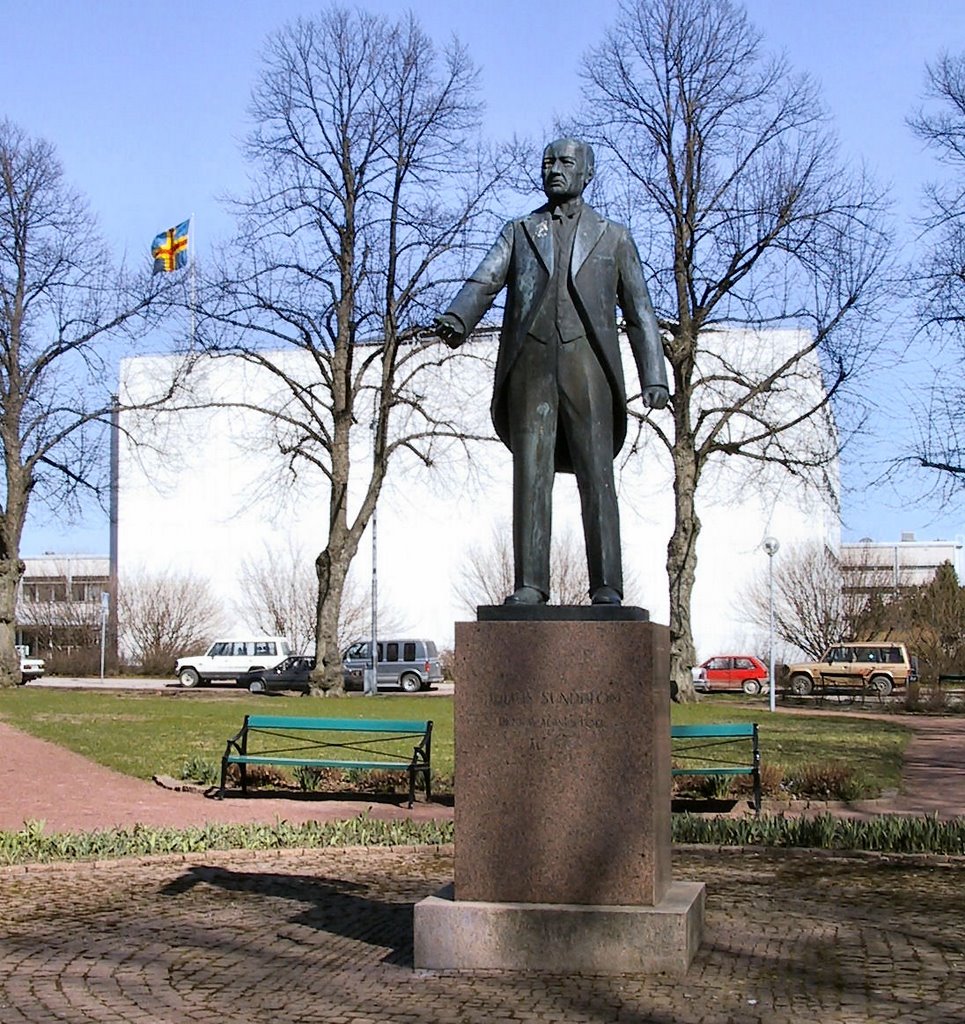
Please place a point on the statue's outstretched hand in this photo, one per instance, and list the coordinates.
(449, 329)
(655, 396)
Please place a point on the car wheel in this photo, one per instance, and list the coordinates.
(751, 687)
(189, 677)
(410, 683)
(257, 686)
(883, 685)
(801, 685)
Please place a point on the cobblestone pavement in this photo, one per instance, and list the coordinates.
(325, 936)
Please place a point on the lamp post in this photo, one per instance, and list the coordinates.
(105, 606)
(771, 546)
(370, 676)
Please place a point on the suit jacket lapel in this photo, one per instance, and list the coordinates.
(589, 231)
(539, 230)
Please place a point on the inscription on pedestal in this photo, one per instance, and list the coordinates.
(552, 718)
(563, 762)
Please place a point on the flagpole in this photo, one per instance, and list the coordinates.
(192, 261)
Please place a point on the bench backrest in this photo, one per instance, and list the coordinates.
(333, 724)
(717, 729)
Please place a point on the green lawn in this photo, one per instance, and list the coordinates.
(872, 747)
(147, 734)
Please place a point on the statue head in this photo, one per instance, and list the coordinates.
(568, 166)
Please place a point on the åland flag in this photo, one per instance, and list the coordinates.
(170, 249)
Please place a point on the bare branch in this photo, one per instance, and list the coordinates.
(751, 222)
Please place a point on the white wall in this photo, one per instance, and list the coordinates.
(213, 491)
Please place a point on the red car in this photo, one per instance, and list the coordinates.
(731, 672)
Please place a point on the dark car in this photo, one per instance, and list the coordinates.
(290, 674)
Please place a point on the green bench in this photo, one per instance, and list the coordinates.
(347, 743)
(712, 749)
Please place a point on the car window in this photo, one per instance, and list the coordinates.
(283, 648)
(220, 649)
(743, 663)
(408, 651)
(866, 654)
(264, 647)
(718, 663)
(392, 651)
(359, 650)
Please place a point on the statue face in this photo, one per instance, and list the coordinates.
(565, 173)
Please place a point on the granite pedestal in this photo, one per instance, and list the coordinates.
(562, 815)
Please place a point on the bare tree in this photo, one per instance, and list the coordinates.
(487, 575)
(163, 616)
(365, 178)
(279, 595)
(939, 279)
(61, 304)
(816, 602)
(727, 162)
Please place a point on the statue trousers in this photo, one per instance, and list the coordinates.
(551, 388)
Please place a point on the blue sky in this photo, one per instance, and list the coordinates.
(146, 105)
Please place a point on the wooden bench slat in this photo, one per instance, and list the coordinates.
(712, 729)
(334, 724)
(313, 762)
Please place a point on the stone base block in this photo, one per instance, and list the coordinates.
(455, 934)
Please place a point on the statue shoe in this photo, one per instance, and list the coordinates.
(526, 595)
(605, 595)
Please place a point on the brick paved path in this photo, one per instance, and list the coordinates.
(325, 937)
(40, 781)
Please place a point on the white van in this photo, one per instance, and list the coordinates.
(229, 659)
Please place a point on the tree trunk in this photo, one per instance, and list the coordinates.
(11, 570)
(326, 680)
(681, 571)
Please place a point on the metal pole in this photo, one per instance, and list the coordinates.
(374, 678)
(770, 546)
(371, 683)
(105, 604)
(112, 584)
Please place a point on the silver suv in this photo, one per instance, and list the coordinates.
(410, 664)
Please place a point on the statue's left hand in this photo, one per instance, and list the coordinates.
(655, 396)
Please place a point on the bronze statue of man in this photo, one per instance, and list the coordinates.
(559, 401)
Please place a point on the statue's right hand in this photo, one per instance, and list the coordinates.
(449, 329)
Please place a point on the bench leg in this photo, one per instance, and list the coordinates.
(224, 778)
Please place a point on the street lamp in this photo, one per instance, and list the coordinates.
(771, 546)
(370, 676)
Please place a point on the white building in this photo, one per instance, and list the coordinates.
(207, 488)
(60, 603)
(898, 565)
